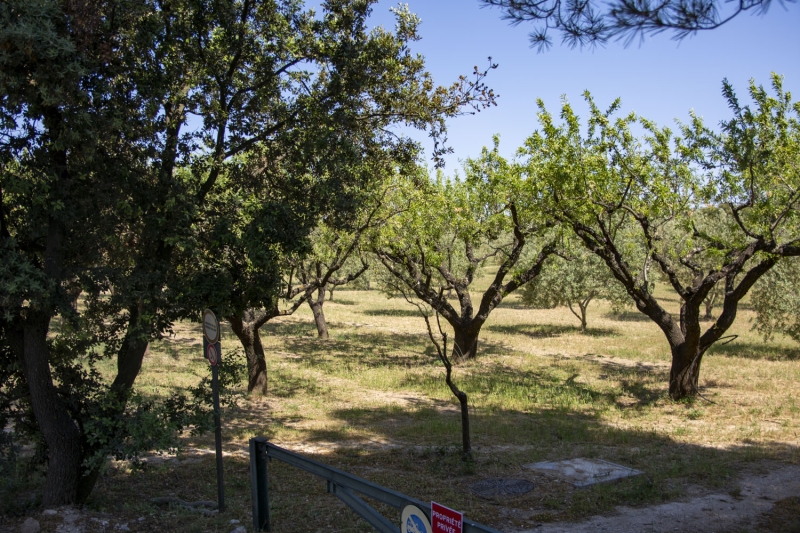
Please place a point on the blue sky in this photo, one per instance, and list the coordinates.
(660, 79)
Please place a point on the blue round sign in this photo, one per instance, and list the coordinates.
(414, 521)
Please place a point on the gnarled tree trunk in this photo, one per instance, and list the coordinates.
(247, 332)
(582, 307)
(62, 436)
(465, 342)
(129, 364)
(319, 314)
(684, 374)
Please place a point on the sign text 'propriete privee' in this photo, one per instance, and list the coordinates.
(445, 520)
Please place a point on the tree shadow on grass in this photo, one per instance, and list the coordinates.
(416, 452)
(413, 448)
(561, 433)
(630, 381)
(542, 385)
(285, 384)
(341, 301)
(360, 349)
(178, 347)
(513, 304)
(543, 331)
(496, 386)
(645, 392)
(627, 316)
(393, 312)
(756, 351)
(375, 348)
(288, 328)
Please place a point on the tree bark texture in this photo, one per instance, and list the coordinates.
(466, 439)
(29, 339)
(247, 332)
(319, 314)
(131, 354)
(59, 430)
(583, 318)
(465, 345)
(684, 374)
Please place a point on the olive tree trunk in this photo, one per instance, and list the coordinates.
(684, 373)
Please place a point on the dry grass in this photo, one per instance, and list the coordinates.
(372, 401)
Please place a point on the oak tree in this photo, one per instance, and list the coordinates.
(123, 124)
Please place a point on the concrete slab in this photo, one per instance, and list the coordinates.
(584, 472)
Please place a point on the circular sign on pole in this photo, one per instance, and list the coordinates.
(210, 326)
(211, 355)
(413, 520)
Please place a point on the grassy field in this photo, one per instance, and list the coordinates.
(372, 400)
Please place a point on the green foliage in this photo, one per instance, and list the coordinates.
(446, 231)
(453, 227)
(122, 428)
(573, 280)
(776, 300)
(711, 212)
(107, 188)
(11, 388)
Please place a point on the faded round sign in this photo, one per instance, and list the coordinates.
(211, 355)
(210, 326)
(413, 520)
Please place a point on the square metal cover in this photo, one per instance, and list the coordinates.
(584, 472)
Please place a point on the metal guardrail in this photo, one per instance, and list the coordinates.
(340, 484)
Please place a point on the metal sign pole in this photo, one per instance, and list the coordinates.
(213, 352)
(218, 437)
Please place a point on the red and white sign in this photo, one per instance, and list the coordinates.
(211, 354)
(444, 520)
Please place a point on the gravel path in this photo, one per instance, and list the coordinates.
(712, 513)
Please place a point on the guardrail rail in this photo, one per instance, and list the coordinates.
(341, 484)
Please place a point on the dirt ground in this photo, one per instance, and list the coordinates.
(768, 500)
